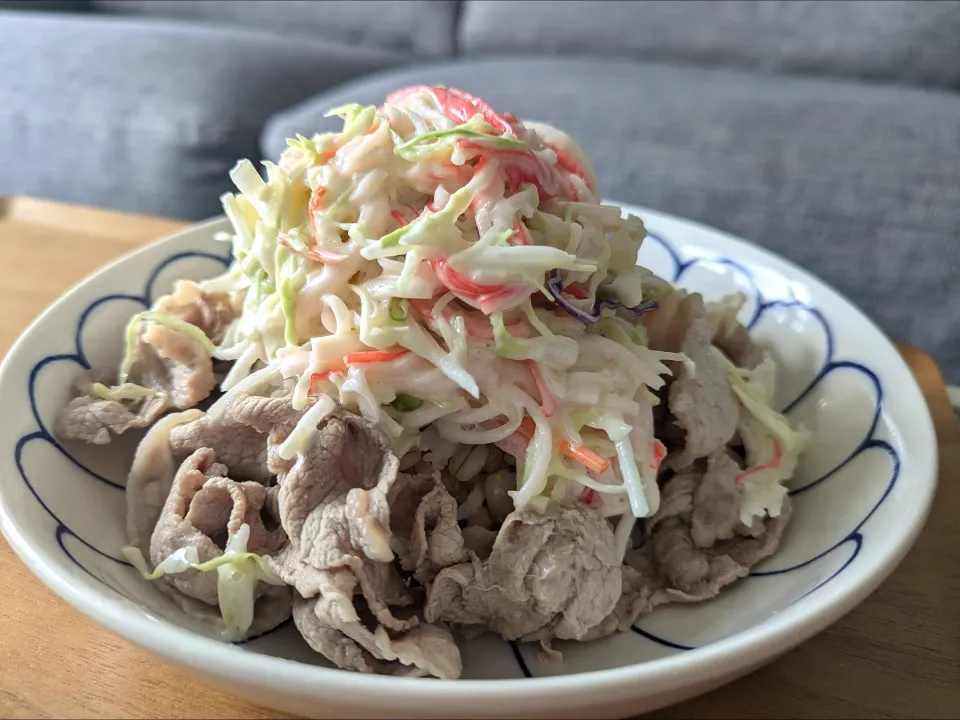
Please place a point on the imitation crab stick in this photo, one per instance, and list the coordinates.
(313, 252)
(521, 236)
(570, 164)
(522, 167)
(489, 298)
(575, 292)
(318, 378)
(772, 465)
(477, 327)
(461, 284)
(456, 104)
(548, 401)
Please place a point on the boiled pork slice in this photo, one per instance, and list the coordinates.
(353, 605)
(550, 575)
(174, 364)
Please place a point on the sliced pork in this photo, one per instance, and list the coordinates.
(172, 362)
(422, 650)
(729, 335)
(151, 476)
(96, 420)
(240, 427)
(165, 359)
(426, 535)
(204, 511)
(551, 575)
(700, 399)
(335, 510)
(695, 543)
(212, 312)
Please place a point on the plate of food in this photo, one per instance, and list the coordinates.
(349, 451)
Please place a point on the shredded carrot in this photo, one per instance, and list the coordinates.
(585, 456)
(527, 427)
(314, 206)
(372, 356)
(325, 256)
(316, 200)
(316, 254)
(582, 454)
(576, 292)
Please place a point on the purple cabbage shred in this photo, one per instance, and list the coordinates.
(555, 286)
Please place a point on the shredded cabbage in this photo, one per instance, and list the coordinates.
(170, 321)
(238, 574)
(299, 439)
(126, 391)
(759, 405)
(428, 143)
(423, 267)
(772, 446)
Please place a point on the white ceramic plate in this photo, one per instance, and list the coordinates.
(861, 495)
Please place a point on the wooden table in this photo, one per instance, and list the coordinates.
(897, 655)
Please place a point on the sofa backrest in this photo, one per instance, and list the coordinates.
(46, 5)
(411, 27)
(905, 41)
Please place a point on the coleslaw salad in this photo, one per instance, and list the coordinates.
(447, 273)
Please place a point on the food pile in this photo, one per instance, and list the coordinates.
(434, 394)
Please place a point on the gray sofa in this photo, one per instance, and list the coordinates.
(827, 131)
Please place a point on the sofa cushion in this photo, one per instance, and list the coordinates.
(416, 27)
(909, 41)
(147, 116)
(860, 184)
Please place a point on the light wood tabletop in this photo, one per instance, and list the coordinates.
(896, 655)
